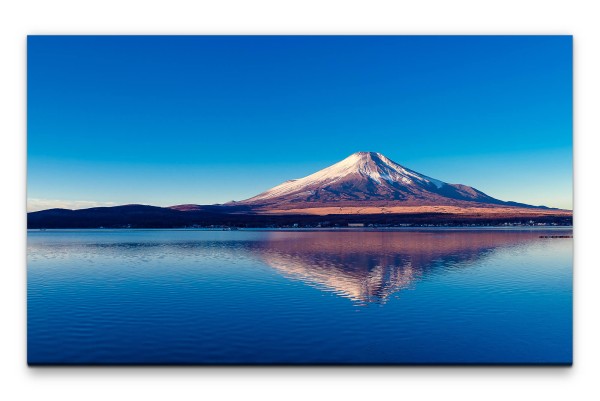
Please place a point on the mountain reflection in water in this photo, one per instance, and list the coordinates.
(248, 296)
(369, 267)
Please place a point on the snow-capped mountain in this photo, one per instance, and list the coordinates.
(364, 188)
(369, 178)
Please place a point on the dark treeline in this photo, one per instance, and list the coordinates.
(137, 216)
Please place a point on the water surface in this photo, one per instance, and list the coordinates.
(193, 296)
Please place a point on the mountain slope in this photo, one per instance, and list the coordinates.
(369, 179)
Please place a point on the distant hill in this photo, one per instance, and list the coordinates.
(117, 216)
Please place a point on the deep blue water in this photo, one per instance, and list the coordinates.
(179, 297)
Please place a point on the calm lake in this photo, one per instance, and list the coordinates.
(212, 297)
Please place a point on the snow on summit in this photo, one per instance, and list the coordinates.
(370, 165)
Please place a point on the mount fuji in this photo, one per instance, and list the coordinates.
(369, 179)
(364, 188)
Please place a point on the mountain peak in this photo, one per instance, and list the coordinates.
(366, 157)
(366, 163)
(366, 154)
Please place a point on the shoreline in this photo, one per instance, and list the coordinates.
(322, 229)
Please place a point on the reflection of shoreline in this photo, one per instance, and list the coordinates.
(368, 267)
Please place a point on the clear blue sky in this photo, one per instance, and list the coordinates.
(170, 120)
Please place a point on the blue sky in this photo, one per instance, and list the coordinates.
(170, 120)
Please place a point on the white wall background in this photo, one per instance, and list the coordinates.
(21, 17)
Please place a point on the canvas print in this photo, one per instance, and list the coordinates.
(208, 200)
